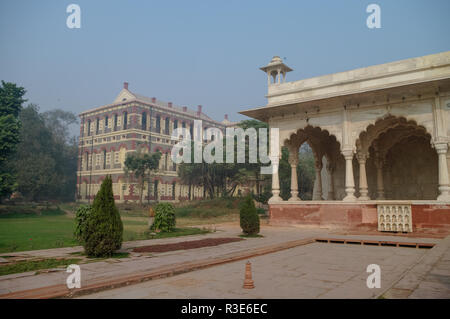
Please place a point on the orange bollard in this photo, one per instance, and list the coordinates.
(248, 282)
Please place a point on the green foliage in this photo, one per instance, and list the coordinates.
(11, 100)
(46, 162)
(104, 228)
(81, 217)
(249, 219)
(164, 217)
(260, 211)
(263, 197)
(140, 165)
(223, 178)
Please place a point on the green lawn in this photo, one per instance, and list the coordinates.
(36, 232)
(30, 227)
(24, 266)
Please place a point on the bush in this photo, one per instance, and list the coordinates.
(81, 217)
(249, 218)
(104, 228)
(263, 197)
(260, 211)
(164, 217)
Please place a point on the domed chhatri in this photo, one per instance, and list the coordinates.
(276, 70)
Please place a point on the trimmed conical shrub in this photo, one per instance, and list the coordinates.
(249, 218)
(104, 228)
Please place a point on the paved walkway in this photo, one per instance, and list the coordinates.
(314, 260)
(317, 270)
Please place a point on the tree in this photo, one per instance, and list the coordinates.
(141, 165)
(46, 158)
(249, 219)
(11, 100)
(104, 228)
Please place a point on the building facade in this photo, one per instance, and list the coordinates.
(380, 136)
(135, 123)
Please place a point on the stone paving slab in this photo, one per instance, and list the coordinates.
(316, 270)
(429, 278)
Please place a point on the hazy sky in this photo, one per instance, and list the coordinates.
(201, 52)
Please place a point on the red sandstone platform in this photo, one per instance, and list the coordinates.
(427, 217)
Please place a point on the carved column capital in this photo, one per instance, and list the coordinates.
(348, 154)
(362, 157)
(441, 148)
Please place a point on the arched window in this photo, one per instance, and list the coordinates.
(125, 120)
(144, 121)
(166, 128)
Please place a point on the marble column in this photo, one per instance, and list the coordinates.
(293, 161)
(363, 188)
(349, 179)
(275, 181)
(380, 184)
(444, 184)
(318, 191)
(330, 170)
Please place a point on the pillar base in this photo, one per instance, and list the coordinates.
(365, 197)
(349, 198)
(445, 194)
(275, 199)
(293, 199)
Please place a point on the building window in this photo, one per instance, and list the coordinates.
(86, 159)
(115, 122)
(173, 190)
(89, 128)
(167, 126)
(144, 121)
(191, 130)
(158, 124)
(155, 189)
(106, 121)
(175, 124)
(125, 120)
(104, 159)
(97, 126)
(116, 157)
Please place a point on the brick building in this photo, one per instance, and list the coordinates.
(135, 122)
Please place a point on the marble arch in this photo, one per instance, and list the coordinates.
(322, 145)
